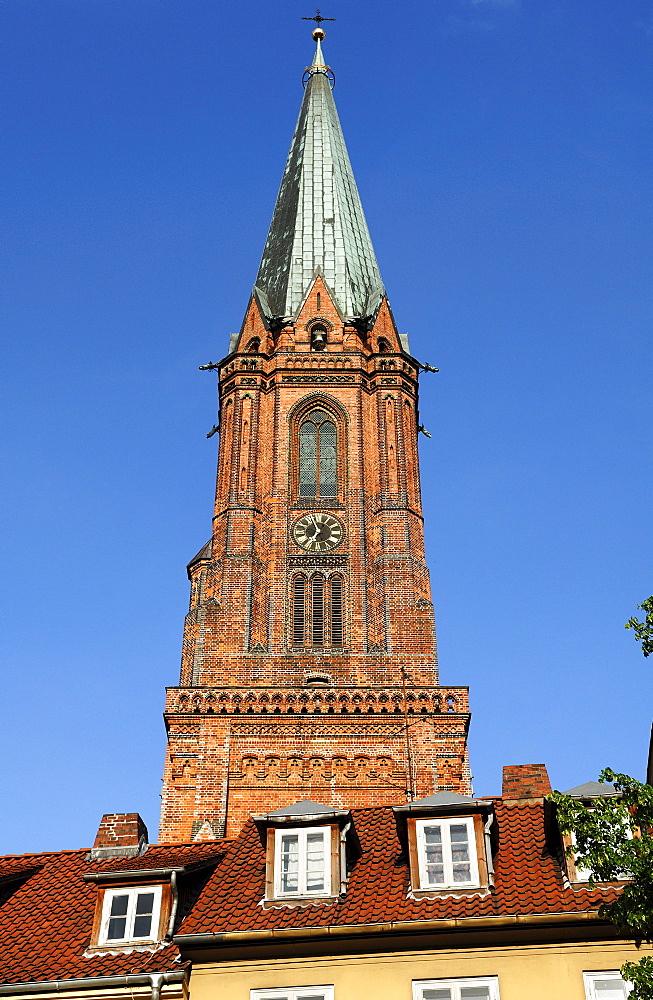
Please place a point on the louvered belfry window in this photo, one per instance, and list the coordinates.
(337, 630)
(318, 472)
(299, 611)
(317, 611)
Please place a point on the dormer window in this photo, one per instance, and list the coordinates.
(448, 841)
(130, 915)
(302, 862)
(446, 850)
(588, 794)
(308, 847)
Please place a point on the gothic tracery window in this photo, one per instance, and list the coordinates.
(318, 467)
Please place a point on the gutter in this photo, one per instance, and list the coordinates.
(390, 927)
(155, 980)
(130, 876)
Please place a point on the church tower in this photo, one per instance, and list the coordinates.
(309, 666)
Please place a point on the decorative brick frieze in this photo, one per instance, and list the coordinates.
(308, 561)
(317, 700)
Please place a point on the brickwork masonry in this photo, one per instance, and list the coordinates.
(345, 707)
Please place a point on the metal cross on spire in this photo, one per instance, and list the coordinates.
(318, 18)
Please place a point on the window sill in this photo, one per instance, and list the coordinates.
(450, 891)
(294, 901)
(122, 947)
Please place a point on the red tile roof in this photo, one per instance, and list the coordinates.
(528, 879)
(45, 924)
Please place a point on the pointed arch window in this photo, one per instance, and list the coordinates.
(318, 465)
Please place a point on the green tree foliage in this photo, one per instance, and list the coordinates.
(604, 844)
(644, 630)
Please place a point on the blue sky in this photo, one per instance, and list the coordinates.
(503, 153)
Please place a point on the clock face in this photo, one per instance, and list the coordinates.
(317, 532)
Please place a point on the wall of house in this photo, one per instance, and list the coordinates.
(532, 972)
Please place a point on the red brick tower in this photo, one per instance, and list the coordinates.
(309, 666)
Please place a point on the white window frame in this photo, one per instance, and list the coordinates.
(132, 892)
(591, 978)
(445, 823)
(296, 993)
(455, 985)
(302, 833)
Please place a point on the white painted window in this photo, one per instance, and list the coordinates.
(130, 915)
(297, 993)
(446, 849)
(486, 988)
(302, 862)
(605, 986)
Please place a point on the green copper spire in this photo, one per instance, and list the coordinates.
(318, 224)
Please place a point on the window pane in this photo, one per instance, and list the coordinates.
(315, 862)
(117, 927)
(142, 926)
(145, 902)
(143, 918)
(328, 477)
(289, 863)
(308, 460)
(317, 416)
(436, 994)
(475, 993)
(119, 906)
(610, 989)
(433, 852)
(460, 853)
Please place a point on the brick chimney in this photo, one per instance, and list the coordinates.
(120, 835)
(525, 781)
